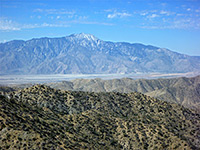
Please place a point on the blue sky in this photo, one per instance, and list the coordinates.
(172, 24)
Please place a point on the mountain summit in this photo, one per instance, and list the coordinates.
(85, 40)
(84, 53)
(84, 36)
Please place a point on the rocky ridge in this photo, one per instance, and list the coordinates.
(184, 91)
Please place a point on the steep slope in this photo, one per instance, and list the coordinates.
(84, 53)
(184, 91)
(40, 117)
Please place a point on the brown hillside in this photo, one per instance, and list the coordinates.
(184, 91)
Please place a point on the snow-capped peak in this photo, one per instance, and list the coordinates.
(89, 37)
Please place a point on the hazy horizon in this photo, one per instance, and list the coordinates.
(47, 78)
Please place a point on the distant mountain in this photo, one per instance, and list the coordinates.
(40, 117)
(184, 91)
(85, 54)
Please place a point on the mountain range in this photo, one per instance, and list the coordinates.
(40, 117)
(86, 54)
(184, 91)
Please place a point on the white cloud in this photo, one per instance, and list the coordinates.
(144, 13)
(167, 13)
(8, 25)
(54, 25)
(184, 23)
(153, 16)
(117, 14)
(112, 15)
(55, 11)
(87, 22)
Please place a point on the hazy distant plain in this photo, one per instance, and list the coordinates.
(33, 79)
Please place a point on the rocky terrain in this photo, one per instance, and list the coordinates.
(86, 54)
(184, 91)
(40, 117)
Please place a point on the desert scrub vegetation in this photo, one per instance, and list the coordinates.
(41, 117)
